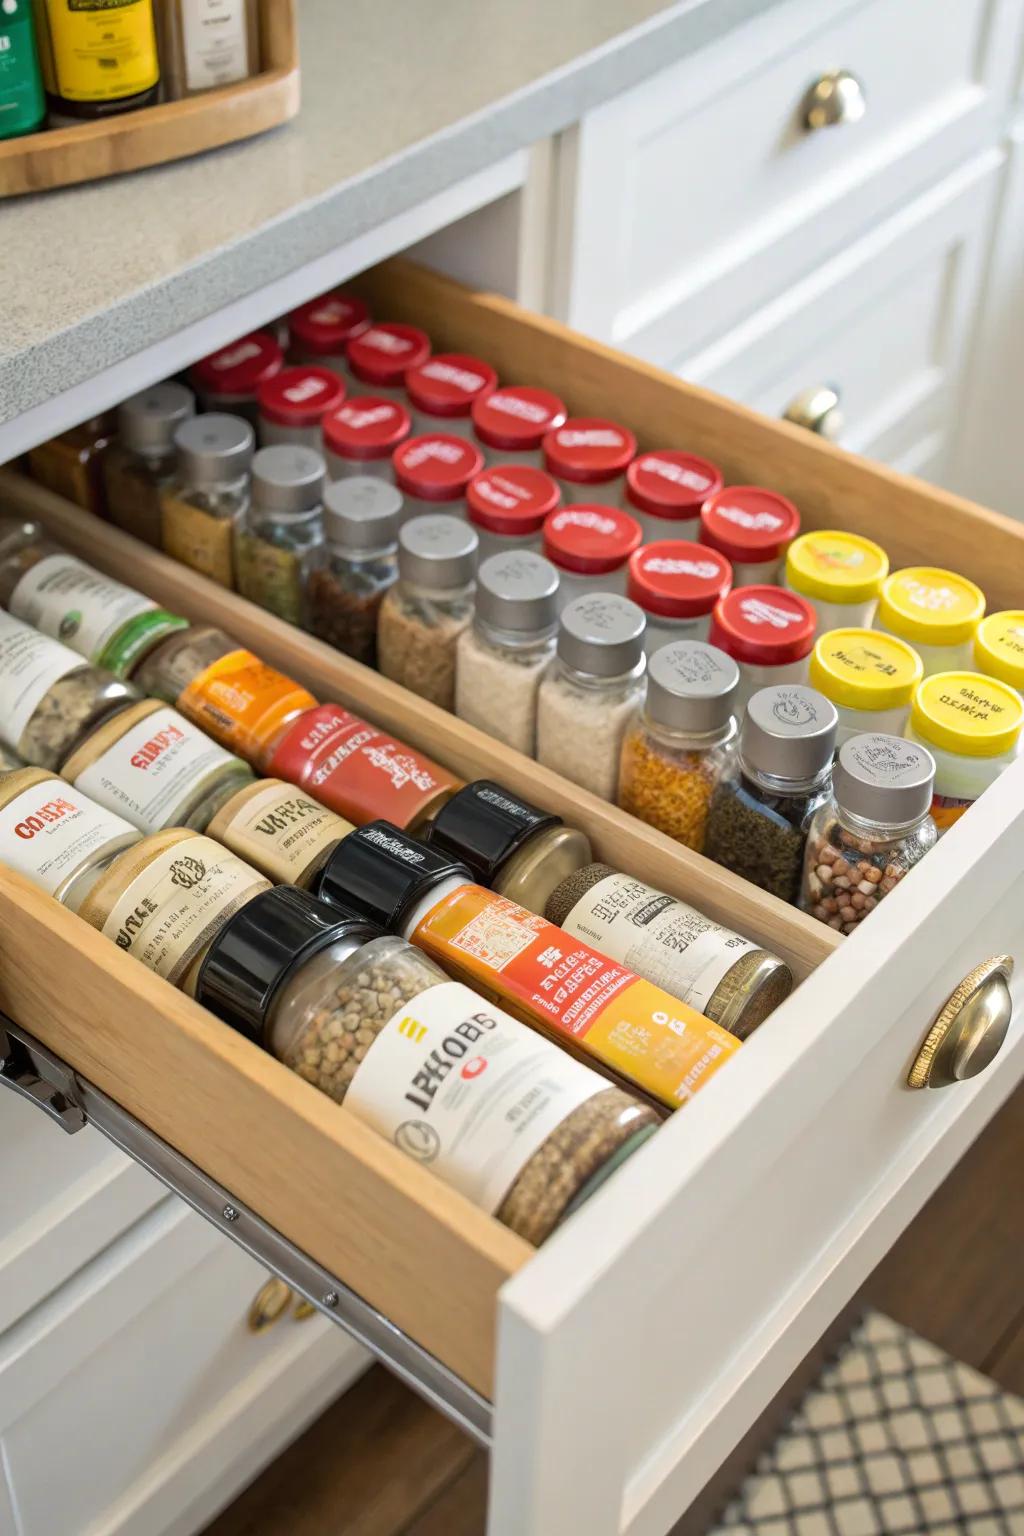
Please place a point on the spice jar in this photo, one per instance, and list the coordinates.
(140, 462)
(359, 771)
(935, 611)
(433, 472)
(344, 1006)
(768, 632)
(55, 836)
(873, 828)
(757, 825)
(727, 978)
(752, 528)
(208, 494)
(588, 456)
(840, 574)
(205, 44)
(503, 655)
(677, 748)
(293, 404)
(279, 538)
(166, 899)
(591, 690)
(320, 330)
(508, 844)
(999, 647)
(677, 586)
(361, 435)
(362, 517)
(972, 727)
(507, 505)
(559, 985)
(380, 357)
(61, 596)
(511, 423)
(665, 491)
(443, 390)
(50, 699)
(590, 547)
(229, 379)
(156, 769)
(71, 465)
(425, 612)
(279, 830)
(869, 677)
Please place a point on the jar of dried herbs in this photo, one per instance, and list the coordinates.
(279, 538)
(503, 655)
(427, 609)
(140, 463)
(208, 494)
(55, 836)
(362, 517)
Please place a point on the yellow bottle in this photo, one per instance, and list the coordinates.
(99, 56)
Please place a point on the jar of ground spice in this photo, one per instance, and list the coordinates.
(433, 472)
(871, 679)
(379, 357)
(140, 463)
(209, 493)
(677, 584)
(443, 390)
(361, 435)
(293, 404)
(427, 609)
(279, 539)
(768, 632)
(752, 528)
(229, 379)
(503, 655)
(362, 517)
(511, 423)
(334, 999)
(678, 747)
(590, 547)
(665, 491)
(319, 331)
(588, 456)
(508, 505)
(279, 830)
(55, 836)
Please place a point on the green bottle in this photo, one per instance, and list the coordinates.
(22, 103)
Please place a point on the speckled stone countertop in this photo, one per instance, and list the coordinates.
(401, 99)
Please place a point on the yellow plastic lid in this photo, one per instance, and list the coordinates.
(862, 669)
(931, 606)
(999, 647)
(967, 713)
(837, 567)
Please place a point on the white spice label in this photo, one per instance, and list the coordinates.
(63, 598)
(283, 831)
(215, 42)
(660, 938)
(30, 664)
(467, 1090)
(152, 772)
(49, 831)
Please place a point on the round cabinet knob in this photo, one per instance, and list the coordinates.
(835, 98)
(818, 410)
(969, 1029)
(269, 1305)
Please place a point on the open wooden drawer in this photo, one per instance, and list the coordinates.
(628, 1356)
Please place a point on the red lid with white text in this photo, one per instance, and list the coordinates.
(516, 417)
(326, 324)
(511, 499)
(239, 368)
(366, 427)
(678, 579)
(765, 626)
(670, 484)
(382, 353)
(448, 383)
(298, 397)
(748, 524)
(436, 467)
(588, 450)
(591, 540)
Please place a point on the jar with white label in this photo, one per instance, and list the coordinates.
(590, 547)
(935, 611)
(279, 829)
(55, 836)
(589, 456)
(362, 518)
(508, 505)
(972, 726)
(361, 435)
(140, 462)
(665, 491)
(503, 655)
(512, 422)
(279, 539)
(433, 472)
(376, 1025)
(840, 574)
(379, 357)
(677, 585)
(208, 494)
(293, 404)
(320, 330)
(426, 610)
(768, 632)
(869, 677)
(205, 44)
(999, 647)
(229, 379)
(443, 390)
(752, 528)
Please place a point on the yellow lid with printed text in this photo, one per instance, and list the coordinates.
(926, 604)
(999, 647)
(836, 567)
(967, 713)
(862, 669)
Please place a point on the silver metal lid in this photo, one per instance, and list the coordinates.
(601, 634)
(691, 686)
(884, 779)
(288, 478)
(517, 590)
(147, 421)
(362, 512)
(214, 447)
(789, 732)
(437, 551)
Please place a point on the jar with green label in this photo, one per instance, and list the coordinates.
(279, 540)
(22, 103)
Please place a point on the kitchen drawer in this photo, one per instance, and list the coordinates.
(629, 1355)
(694, 197)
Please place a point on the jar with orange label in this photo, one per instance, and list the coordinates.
(209, 493)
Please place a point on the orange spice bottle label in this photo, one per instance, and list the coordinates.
(243, 703)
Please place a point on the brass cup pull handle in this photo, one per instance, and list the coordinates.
(269, 1305)
(835, 98)
(817, 409)
(969, 1029)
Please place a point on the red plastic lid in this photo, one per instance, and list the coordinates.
(366, 427)
(436, 467)
(324, 325)
(382, 353)
(516, 417)
(677, 578)
(670, 484)
(591, 539)
(766, 626)
(448, 383)
(749, 524)
(298, 397)
(511, 498)
(241, 367)
(588, 450)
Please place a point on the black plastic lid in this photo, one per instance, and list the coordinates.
(383, 872)
(263, 944)
(483, 824)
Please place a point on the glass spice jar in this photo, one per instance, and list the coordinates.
(683, 740)
(757, 824)
(999, 647)
(507, 505)
(320, 330)
(331, 997)
(840, 574)
(425, 612)
(869, 677)
(936, 612)
(752, 528)
(140, 463)
(665, 491)
(361, 435)
(972, 726)
(590, 547)
(768, 632)
(677, 584)
(588, 456)
(433, 472)
(279, 830)
(293, 404)
(55, 836)
(443, 390)
(503, 655)
(71, 465)
(362, 518)
(510, 424)
(229, 379)
(279, 537)
(208, 494)
(379, 357)
(874, 827)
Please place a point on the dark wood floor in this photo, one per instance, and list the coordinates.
(379, 1463)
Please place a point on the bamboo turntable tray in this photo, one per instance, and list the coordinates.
(59, 157)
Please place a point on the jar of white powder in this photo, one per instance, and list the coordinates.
(502, 658)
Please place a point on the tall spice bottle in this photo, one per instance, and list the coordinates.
(98, 58)
(207, 43)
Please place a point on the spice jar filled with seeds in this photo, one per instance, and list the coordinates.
(682, 741)
(665, 491)
(590, 547)
(503, 655)
(757, 825)
(293, 404)
(507, 505)
(379, 357)
(677, 584)
(588, 456)
(936, 612)
(752, 528)
(427, 609)
(229, 379)
(361, 435)
(279, 539)
(140, 463)
(510, 424)
(209, 493)
(443, 390)
(362, 517)
(433, 472)
(319, 331)
(840, 574)
(869, 677)
(768, 632)
(55, 836)
(972, 726)
(873, 829)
